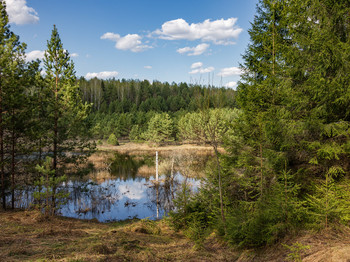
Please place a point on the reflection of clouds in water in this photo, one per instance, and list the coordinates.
(135, 191)
(121, 196)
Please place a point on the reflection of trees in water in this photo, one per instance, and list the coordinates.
(114, 164)
(91, 198)
(162, 194)
(124, 166)
(177, 169)
(93, 195)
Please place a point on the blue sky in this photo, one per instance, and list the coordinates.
(180, 41)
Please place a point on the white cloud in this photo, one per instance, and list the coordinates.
(196, 65)
(74, 55)
(19, 13)
(35, 54)
(230, 71)
(148, 67)
(202, 70)
(232, 84)
(111, 36)
(219, 31)
(130, 42)
(197, 68)
(191, 51)
(102, 75)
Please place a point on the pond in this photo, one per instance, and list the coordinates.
(122, 186)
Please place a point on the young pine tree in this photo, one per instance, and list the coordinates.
(66, 111)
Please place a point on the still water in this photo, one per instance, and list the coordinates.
(120, 186)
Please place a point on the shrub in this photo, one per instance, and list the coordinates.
(112, 140)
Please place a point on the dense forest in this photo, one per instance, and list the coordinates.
(285, 130)
(125, 108)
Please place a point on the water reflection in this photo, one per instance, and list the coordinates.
(122, 186)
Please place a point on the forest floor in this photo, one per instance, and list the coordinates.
(28, 236)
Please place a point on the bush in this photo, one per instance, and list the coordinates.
(112, 140)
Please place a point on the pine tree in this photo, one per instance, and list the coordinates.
(11, 94)
(66, 112)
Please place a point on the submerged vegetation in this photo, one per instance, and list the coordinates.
(284, 168)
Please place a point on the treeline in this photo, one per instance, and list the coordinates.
(287, 160)
(123, 96)
(42, 118)
(125, 108)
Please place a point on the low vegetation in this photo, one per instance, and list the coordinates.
(66, 239)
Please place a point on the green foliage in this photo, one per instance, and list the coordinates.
(66, 112)
(296, 251)
(330, 201)
(206, 126)
(49, 196)
(255, 223)
(150, 226)
(294, 101)
(192, 215)
(16, 109)
(160, 128)
(112, 140)
(135, 133)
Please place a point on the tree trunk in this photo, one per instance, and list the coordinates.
(2, 155)
(220, 184)
(55, 142)
(261, 171)
(13, 165)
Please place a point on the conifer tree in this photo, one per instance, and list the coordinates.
(11, 94)
(66, 111)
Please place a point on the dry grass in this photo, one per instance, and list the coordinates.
(144, 148)
(325, 246)
(27, 236)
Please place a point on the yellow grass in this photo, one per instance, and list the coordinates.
(144, 148)
(27, 236)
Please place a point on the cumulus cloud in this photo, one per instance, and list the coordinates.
(19, 13)
(197, 50)
(102, 75)
(202, 70)
(196, 65)
(130, 42)
(74, 55)
(219, 31)
(230, 71)
(148, 67)
(35, 54)
(232, 84)
(197, 68)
